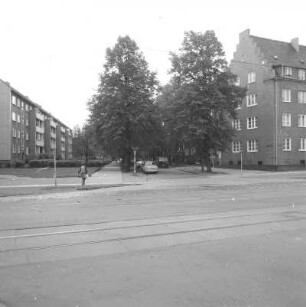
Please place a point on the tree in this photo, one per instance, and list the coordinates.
(123, 111)
(205, 94)
(83, 142)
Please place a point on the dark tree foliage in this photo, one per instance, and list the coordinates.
(83, 145)
(204, 95)
(123, 110)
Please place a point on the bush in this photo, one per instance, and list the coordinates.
(19, 164)
(40, 163)
(66, 163)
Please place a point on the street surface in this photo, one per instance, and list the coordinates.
(178, 238)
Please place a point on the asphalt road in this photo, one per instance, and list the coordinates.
(178, 238)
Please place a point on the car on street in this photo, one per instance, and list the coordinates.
(150, 167)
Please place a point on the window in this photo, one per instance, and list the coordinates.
(27, 122)
(286, 95)
(301, 97)
(22, 119)
(18, 149)
(302, 120)
(14, 100)
(18, 134)
(287, 71)
(26, 107)
(14, 116)
(287, 144)
(27, 136)
(252, 122)
(251, 77)
(236, 146)
(22, 105)
(302, 144)
(251, 100)
(302, 74)
(39, 123)
(18, 102)
(27, 150)
(18, 118)
(252, 146)
(39, 136)
(286, 119)
(14, 148)
(14, 134)
(236, 124)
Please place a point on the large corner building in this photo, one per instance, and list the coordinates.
(28, 131)
(271, 123)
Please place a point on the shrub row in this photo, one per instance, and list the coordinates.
(65, 163)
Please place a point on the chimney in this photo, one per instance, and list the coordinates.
(295, 44)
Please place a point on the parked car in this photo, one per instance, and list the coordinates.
(150, 168)
(162, 162)
(140, 164)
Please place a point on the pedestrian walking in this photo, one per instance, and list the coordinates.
(83, 173)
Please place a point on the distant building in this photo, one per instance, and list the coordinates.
(28, 131)
(271, 123)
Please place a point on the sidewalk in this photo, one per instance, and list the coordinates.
(109, 176)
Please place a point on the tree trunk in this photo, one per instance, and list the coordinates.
(126, 161)
(207, 162)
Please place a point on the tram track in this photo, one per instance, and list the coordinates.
(37, 244)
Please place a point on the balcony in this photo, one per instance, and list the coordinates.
(40, 143)
(40, 129)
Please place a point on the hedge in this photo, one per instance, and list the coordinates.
(65, 163)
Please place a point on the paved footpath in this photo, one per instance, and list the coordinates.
(111, 176)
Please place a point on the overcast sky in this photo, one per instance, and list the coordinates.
(54, 50)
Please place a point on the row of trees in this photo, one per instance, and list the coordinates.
(195, 109)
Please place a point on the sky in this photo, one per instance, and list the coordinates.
(54, 50)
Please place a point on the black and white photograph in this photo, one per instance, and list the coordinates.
(152, 153)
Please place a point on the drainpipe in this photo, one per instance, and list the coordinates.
(276, 124)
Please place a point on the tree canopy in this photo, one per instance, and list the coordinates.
(204, 95)
(123, 110)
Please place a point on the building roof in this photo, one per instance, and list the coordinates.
(28, 100)
(277, 52)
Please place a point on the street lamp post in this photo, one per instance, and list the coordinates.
(135, 150)
(241, 168)
(54, 162)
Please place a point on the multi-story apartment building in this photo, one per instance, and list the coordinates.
(271, 122)
(27, 130)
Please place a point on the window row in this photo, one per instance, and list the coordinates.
(19, 119)
(287, 72)
(288, 141)
(19, 134)
(20, 103)
(287, 96)
(252, 145)
(290, 72)
(252, 123)
(287, 122)
(16, 149)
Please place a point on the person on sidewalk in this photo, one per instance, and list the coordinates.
(83, 173)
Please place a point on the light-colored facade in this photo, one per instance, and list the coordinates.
(271, 122)
(27, 131)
